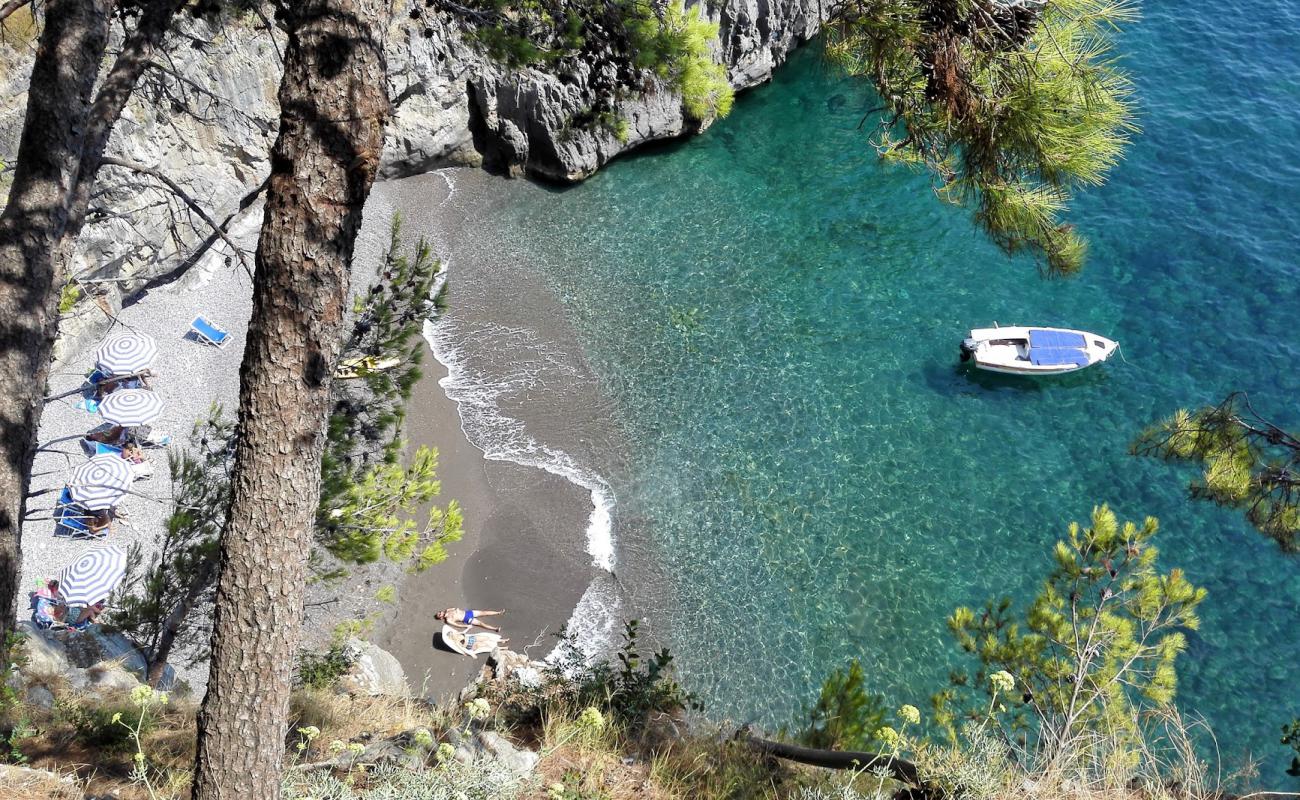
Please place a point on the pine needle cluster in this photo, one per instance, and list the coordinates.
(369, 499)
(1249, 463)
(1013, 105)
(1096, 646)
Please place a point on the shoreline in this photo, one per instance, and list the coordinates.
(500, 562)
(534, 532)
(538, 537)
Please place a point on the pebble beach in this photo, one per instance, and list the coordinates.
(497, 564)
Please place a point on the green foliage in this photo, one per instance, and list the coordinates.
(1249, 463)
(14, 725)
(371, 521)
(1291, 738)
(642, 684)
(367, 497)
(679, 48)
(846, 716)
(482, 779)
(158, 600)
(322, 670)
(628, 688)
(571, 787)
(68, 296)
(620, 40)
(1097, 644)
(1013, 107)
(97, 726)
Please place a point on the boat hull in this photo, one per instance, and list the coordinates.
(1035, 351)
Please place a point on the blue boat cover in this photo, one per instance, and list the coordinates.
(1056, 339)
(1057, 356)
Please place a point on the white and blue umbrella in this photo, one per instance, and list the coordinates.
(100, 482)
(125, 354)
(131, 407)
(93, 577)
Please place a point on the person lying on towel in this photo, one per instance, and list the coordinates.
(465, 618)
(473, 644)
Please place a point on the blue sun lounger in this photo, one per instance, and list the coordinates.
(72, 519)
(209, 333)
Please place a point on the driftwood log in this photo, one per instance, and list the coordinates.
(900, 770)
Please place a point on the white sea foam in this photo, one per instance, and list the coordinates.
(477, 392)
(504, 438)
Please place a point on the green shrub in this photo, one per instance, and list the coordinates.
(621, 40)
(14, 725)
(97, 726)
(679, 48)
(629, 688)
(486, 779)
(69, 296)
(322, 670)
(1291, 738)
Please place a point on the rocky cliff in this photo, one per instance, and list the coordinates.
(206, 117)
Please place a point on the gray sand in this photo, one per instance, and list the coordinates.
(191, 376)
(502, 562)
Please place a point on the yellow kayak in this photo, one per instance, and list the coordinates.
(364, 365)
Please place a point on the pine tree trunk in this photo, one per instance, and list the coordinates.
(120, 81)
(200, 582)
(33, 223)
(333, 106)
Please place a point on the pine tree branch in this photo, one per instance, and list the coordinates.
(10, 7)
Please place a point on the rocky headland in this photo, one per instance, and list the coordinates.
(205, 117)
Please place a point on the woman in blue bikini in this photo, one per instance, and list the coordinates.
(465, 618)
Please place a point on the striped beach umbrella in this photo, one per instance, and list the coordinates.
(100, 482)
(125, 354)
(131, 407)
(93, 577)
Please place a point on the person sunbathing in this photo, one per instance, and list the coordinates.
(114, 435)
(473, 644)
(107, 386)
(465, 618)
(87, 616)
(140, 466)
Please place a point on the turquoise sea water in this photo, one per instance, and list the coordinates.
(775, 315)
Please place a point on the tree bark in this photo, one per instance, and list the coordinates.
(333, 108)
(899, 770)
(34, 221)
(137, 51)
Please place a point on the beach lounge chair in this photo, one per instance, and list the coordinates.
(102, 449)
(73, 520)
(43, 608)
(209, 333)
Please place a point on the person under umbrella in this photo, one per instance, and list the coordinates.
(131, 408)
(130, 411)
(88, 581)
(123, 360)
(98, 485)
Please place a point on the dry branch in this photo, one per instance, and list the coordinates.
(189, 201)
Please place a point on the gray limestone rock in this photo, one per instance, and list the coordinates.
(373, 671)
(480, 745)
(40, 696)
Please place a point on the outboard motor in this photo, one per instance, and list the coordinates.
(967, 350)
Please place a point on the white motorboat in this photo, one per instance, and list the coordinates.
(1035, 350)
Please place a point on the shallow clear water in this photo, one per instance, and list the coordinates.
(775, 316)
